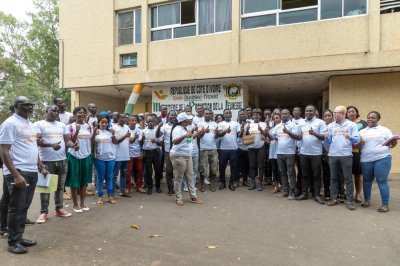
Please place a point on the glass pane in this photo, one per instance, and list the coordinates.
(168, 14)
(259, 5)
(331, 9)
(355, 7)
(138, 26)
(206, 16)
(161, 35)
(260, 21)
(223, 15)
(188, 12)
(154, 17)
(185, 31)
(129, 60)
(125, 20)
(126, 36)
(298, 16)
(289, 4)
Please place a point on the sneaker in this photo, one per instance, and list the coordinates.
(3, 232)
(62, 213)
(291, 196)
(42, 218)
(29, 222)
(185, 189)
(179, 202)
(196, 200)
(206, 181)
(283, 194)
(332, 203)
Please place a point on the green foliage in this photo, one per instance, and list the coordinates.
(29, 58)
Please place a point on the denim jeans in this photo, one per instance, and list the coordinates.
(286, 164)
(341, 165)
(224, 157)
(380, 170)
(104, 171)
(20, 200)
(120, 167)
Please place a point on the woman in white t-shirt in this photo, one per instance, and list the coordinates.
(376, 159)
(80, 161)
(181, 158)
(104, 161)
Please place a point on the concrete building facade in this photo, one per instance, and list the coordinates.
(282, 52)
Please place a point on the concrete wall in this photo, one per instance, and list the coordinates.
(104, 103)
(390, 28)
(375, 92)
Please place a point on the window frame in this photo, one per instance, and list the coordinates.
(121, 64)
(133, 11)
(278, 11)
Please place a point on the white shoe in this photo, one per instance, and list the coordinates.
(195, 188)
(206, 181)
(185, 189)
(86, 209)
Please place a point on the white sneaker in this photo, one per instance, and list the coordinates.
(206, 181)
(185, 189)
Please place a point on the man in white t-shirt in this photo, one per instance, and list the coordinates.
(65, 117)
(53, 137)
(92, 116)
(228, 131)
(19, 152)
(122, 154)
(208, 150)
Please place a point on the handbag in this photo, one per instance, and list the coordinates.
(248, 139)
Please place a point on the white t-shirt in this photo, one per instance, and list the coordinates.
(21, 134)
(122, 149)
(311, 145)
(285, 145)
(374, 137)
(197, 120)
(149, 134)
(92, 119)
(195, 150)
(51, 132)
(185, 147)
(105, 149)
(166, 131)
(134, 148)
(229, 140)
(84, 140)
(208, 141)
(258, 138)
(64, 117)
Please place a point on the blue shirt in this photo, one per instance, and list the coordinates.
(336, 136)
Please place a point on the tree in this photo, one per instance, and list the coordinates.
(29, 57)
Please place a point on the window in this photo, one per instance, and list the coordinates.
(128, 60)
(175, 20)
(264, 13)
(190, 18)
(129, 27)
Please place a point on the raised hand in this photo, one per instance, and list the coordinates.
(76, 146)
(78, 127)
(285, 130)
(56, 146)
(128, 134)
(311, 131)
(112, 131)
(228, 130)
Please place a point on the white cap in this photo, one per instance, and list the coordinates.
(183, 116)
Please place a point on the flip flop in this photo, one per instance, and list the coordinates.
(77, 210)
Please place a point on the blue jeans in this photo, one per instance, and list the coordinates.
(380, 170)
(104, 171)
(120, 166)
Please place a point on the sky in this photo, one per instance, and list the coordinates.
(17, 8)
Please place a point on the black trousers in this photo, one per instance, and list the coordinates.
(20, 200)
(311, 170)
(4, 201)
(224, 157)
(256, 162)
(152, 160)
(243, 164)
(267, 165)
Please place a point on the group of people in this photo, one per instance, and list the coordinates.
(262, 147)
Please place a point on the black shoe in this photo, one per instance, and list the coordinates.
(171, 192)
(245, 184)
(17, 249)
(252, 187)
(283, 194)
(235, 184)
(27, 242)
(319, 200)
(222, 186)
(231, 187)
(158, 189)
(302, 197)
(124, 195)
(212, 187)
(149, 191)
(29, 222)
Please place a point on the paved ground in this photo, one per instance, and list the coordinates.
(249, 228)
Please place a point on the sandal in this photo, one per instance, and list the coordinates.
(179, 202)
(275, 190)
(365, 204)
(66, 196)
(100, 202)
(383, 208)
(111, 200)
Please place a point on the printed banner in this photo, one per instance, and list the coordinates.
(215, 97)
